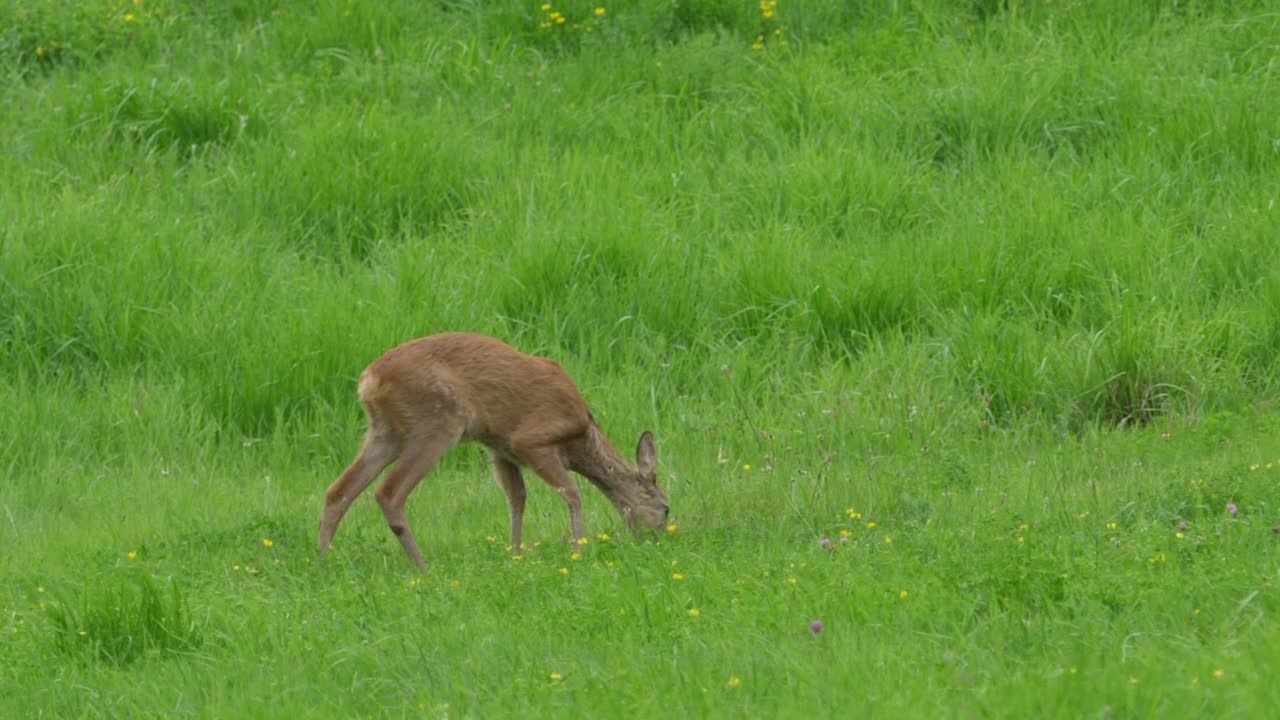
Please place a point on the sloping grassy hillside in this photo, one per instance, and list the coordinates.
(985, 294)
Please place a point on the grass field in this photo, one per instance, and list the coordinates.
(957, 323)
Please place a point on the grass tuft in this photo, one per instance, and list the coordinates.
(124, 620)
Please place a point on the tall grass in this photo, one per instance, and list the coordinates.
(121, 625)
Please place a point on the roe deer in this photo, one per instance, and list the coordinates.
(427, 395)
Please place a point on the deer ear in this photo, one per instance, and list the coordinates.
(647, 455)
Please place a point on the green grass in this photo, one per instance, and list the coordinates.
(117, 626)
(998, 277)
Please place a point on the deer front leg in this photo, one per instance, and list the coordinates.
(547, 463)
(512, 482)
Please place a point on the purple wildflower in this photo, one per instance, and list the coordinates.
(1231, 508)
(1182, 525)
(825, 543)
(815, 627)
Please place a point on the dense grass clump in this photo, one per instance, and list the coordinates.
(122, 623)
(957, 323)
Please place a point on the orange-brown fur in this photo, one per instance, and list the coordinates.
(427, 395)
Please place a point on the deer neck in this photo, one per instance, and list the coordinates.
(596, 459)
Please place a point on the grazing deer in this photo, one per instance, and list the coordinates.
(427, 395)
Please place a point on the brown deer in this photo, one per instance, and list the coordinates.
(427, 395)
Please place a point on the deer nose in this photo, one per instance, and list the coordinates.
(666, 512)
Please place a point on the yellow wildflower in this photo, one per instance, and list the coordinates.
(695, 612)
(600, 12)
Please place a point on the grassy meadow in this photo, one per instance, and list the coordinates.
(957, 323)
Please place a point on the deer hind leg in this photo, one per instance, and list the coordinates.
(508, 474)
(419, 455)
(546, 461)
(381, 446)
